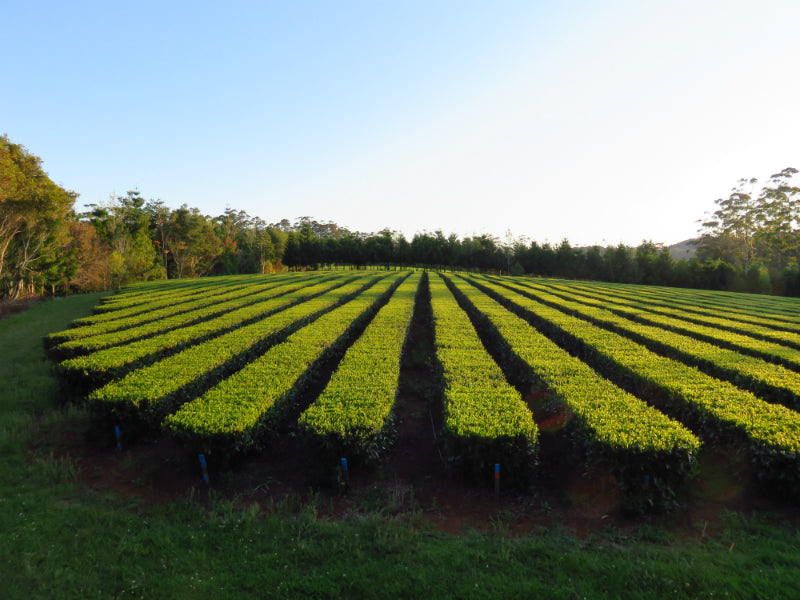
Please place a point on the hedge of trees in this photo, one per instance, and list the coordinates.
(649, 263)
(755, 232)
(751, 243)
(46, 247)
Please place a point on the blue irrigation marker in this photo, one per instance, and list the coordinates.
(118, 436)
(496, 478)
(204, 467)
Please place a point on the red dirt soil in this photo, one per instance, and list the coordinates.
(413, 481)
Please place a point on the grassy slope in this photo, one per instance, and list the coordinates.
(60, 540)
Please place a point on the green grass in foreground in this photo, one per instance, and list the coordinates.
(61, 540)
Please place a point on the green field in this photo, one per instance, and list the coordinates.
(230, 365)
(378, 366)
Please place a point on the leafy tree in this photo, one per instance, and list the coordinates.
(758, 279)
(593, 264)
(755, 224)
(621, 266)
(350, 250)
(426, 251)
(230, 228)
(258, 245)
(248, 243)
(124, 224)
(778, 238)
(193, 243)
(159, 217)
(719, 275)
(279, 239)
(482, 252)
(516, 269)
(93, 259)
(379, 248)
(566, 260)
(401, 250)
(731, 233)
(654, 263)
(34, 229)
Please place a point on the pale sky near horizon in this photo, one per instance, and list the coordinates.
(599, 122)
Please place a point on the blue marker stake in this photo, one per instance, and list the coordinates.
(345, 474)
(646, 481)
(119, 437)
(204, 466)
(497, 478)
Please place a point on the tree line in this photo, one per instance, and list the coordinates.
(649, 263)
(754, 235)
(46, 247)
(750, 243)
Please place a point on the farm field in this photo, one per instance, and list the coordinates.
(85, 519)
(637, 379)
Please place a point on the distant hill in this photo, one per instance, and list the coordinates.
(683, 250)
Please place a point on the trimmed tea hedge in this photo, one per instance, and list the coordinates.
(714, 408)
(643, 447)
(151, 393)
(486, 422)
(352, 417)
(83, 340)
(774, 382)
(99, 368)
(250, 405)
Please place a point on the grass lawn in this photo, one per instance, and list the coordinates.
(63, 539)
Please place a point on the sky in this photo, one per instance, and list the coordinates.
(599, 122)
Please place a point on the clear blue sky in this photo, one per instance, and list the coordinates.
(601, 122)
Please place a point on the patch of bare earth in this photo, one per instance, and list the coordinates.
(415, 480)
